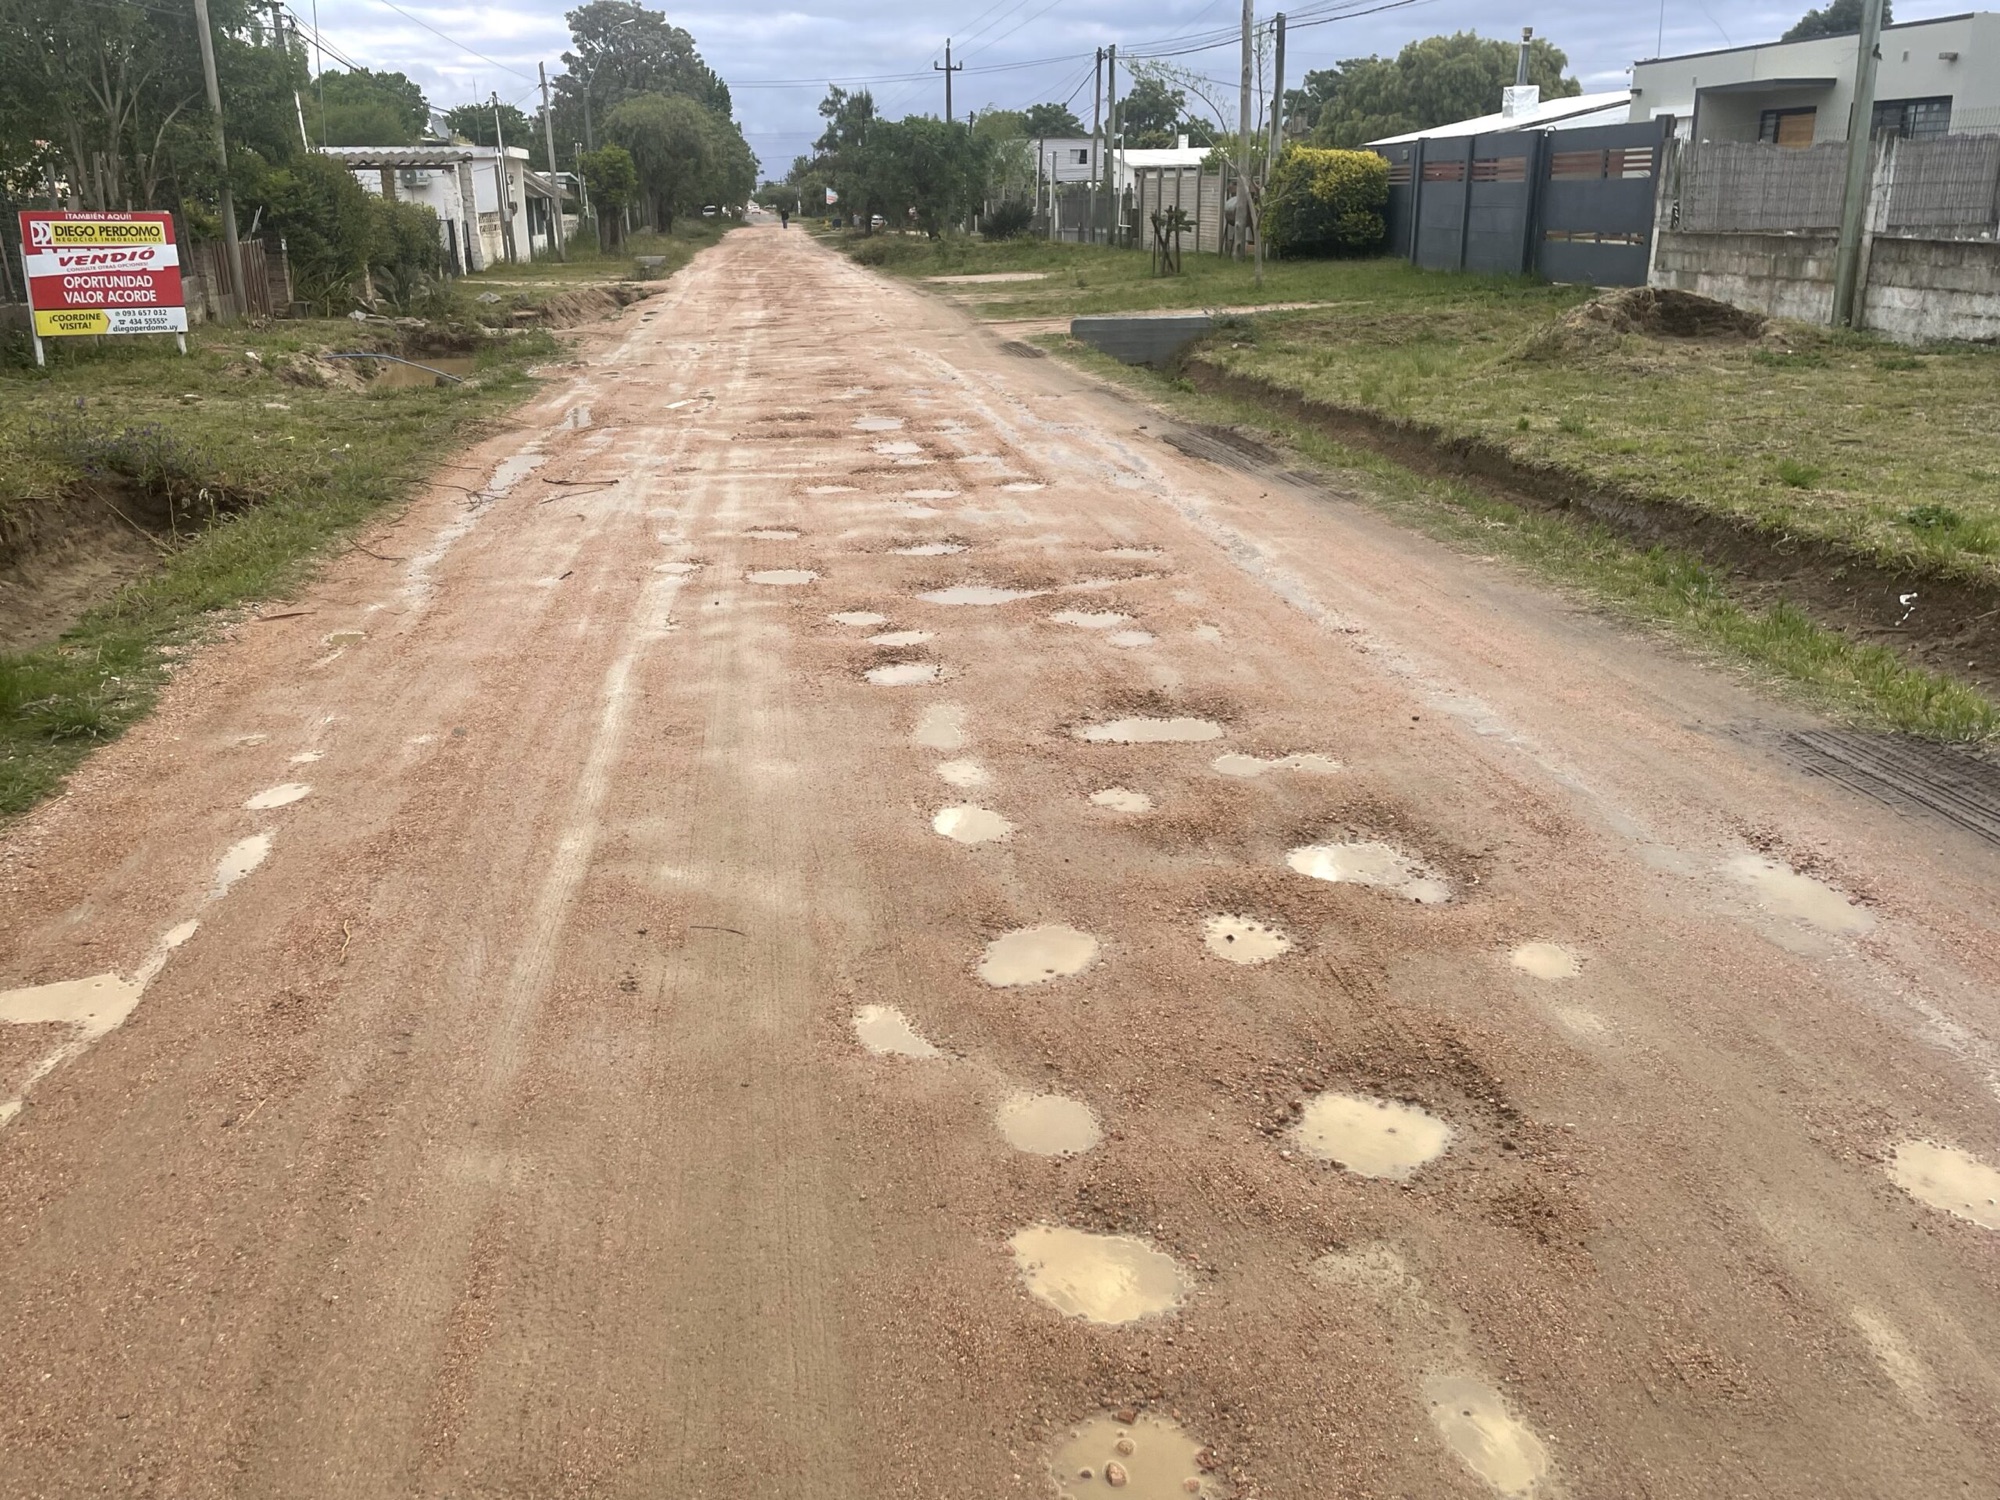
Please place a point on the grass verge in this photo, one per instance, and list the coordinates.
(1661, 586)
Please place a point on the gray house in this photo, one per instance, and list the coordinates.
(1936, 77)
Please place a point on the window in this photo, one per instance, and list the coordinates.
(1912, 119)
(1787, 127)
(1081, 157)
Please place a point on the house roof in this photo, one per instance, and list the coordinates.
(1574, 110)
(1965, 15)
(417, 156)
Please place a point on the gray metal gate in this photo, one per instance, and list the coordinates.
(1599, 191)
(1402, 195)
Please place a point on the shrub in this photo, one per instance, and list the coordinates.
(1007, 221)
(1325, 202)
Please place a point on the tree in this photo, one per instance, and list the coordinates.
(623, 50)
(475, 123)
(1839, 18)
(366, 108)
(672, 142)
(925, 165)
(1048, 121)
(613, 183)
(1436, 81)
(1149, 116)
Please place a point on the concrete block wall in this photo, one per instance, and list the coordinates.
(1783, 275)
(1922, 291)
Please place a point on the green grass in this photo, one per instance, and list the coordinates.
(1664, 587)
(587, 264)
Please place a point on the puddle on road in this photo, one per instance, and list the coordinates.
(915, 512)
(901, 448)
(1944, 1177)
(1047, 1124)
(1474, 1422)
(859, 617)
(784, 578)
(94, 1005)
(1149, 1459)
(1781, 889)
(887, 1032)
(1128, 640)
(339, 638)
(1546, 960)
(307, 757)
(832, 489)
(1136, 554)
(877, 424)
(978, 593)
(901, 638)
(1207, 633)
(928, 549)
(239, 860)
(964, 773)
(773, 534)
(966, 824)
(1243, 940)
(1023, 486)
(1141, 731)
(1035, 955)
(903, 674)
(1084, 619)
(1379, 865)
(282, 795)
(1251, 765)
(1101, 1278)
(930, 495)
(1122, 799)
(941, 727)
(1371, 1137)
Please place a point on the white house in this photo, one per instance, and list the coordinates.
(465, 186)
(1935, 77)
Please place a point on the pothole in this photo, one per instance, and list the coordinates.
(340, 638)
(966, 824)
(1945, 1177)
(903, 673)
(1129, 640)
(1243, 940)
(929, 549)
(1145, 731)
(1374, 864)
(978, 593)
(859, 618)
(1148, 1458)
(901, 448)
(1122, 799)
(307, 757)
(284, 794)
(941, 727)
(782, 578)
(772, 534)
(831, 489)
(1209, 633)
(887, 1032)
(1781, 889)
(1474, 1422)
(1101, 1278)
(1546, 960)
(963, 773)
(239, 860)
(1023, 486)
(901, 638)
(1047, 1124)
(1035, 955)
(1371, 1137)
(1084, 619)
(1250, 765)
(877, 424)
(94, 1005)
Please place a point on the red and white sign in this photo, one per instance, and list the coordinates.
(102, 273)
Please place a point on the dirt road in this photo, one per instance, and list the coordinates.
(504, 934)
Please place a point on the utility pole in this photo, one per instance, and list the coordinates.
(1243, 139)
(239, 303)
(555, 183)
(1277, 130)
(1111, 132)
(1860, 146)
(500, 182)
(947, 69)
(1096, 142)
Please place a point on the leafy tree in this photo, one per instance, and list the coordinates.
(475, 123)
(925, 165)
(1044, 121)
(1431, 82)
(1323, 202)
(613, 184)
(673, 147)
(1839, 18)
(366, 108)
(326, 219)
(622, 50)
(1149, 116)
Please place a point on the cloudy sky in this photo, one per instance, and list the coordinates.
(778, 57)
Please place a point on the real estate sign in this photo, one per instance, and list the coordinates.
(102, 273)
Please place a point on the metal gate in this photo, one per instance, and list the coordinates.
(1402, 195)
(1599, 192)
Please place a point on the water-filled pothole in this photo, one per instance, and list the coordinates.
(1945, 1177)
(964, 773)
(859, 617)
(966, 824)
(1101, 1278)
(978, 593)
(1371, 1137)
(887, 1032)
(1047, 1124)
(1309, 764)
(1474, 1422)
(239, 860)
(901, 638)
(1122, 799)
(900, 448)
(1374, 864)
(1034, 955)
(1022, 486)
(282, 795)
(1082, 619)
(831, 489)
(772, 534)
(1148, 1458)
(783, 578)
(1243, 940)
(94, 1005)
(1546, 960)
(903, 673)
(941, 727)
(877, 424)
(1148, 731)
(1780, 888)
(1129, 640)
(929, 549)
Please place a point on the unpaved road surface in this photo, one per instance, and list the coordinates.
(489, 1115)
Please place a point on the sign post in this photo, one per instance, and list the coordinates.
(102, 273)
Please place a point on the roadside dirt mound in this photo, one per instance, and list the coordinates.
(586, 305)
(1652, 312)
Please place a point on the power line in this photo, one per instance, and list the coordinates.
(503, 67)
